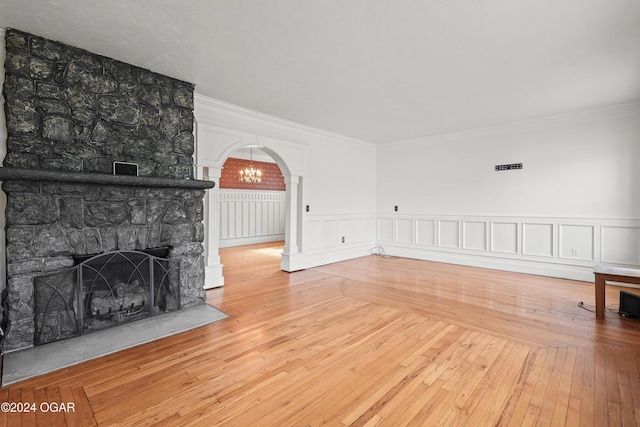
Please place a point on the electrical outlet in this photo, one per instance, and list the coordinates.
(574, 251)
(307, 208)
(342, 239)
(395, 208)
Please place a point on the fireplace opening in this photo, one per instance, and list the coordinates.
(104, 291)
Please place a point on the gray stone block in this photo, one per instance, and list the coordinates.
(184, 143)
(28, 66)
(174, 213)
(21, 116)
(183, 97)
(93, 241)
(142, 236)
(18, 87)
(53, 106)
(75, 237)
(20, 297)
(138, 215)
(148, 95)
(24, 267)
(137, 148)
(50, 240)
(155, 209)
(194, 209)
(49, 91)
(47, 49)
(127, 237)
(56, 128)
(20, 235)
(170, 121)
(186, 250)
(109, 239)
(16, 252)
(84, 116)
(79, 100)
(71, 212)
(22, 160)
(21, 187)
(31, 145)
(31, 209)
(19, 334)
(155, 234)
(77, 76)
(63, 164)
(117, 109)
(57, 263)
(16, 41)
(110, 214)
(198, 231)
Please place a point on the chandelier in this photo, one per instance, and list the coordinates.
(251, 174)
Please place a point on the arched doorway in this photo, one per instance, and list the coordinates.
(212, 170)
(252, 208)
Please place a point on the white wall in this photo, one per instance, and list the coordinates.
(575, 202)
(340, 178)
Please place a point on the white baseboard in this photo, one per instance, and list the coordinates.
(213, 277)
(240, 241)
(318, 258)
(540, 268)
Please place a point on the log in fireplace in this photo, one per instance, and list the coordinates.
(103, 291)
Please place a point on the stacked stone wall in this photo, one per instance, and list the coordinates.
(72, 110)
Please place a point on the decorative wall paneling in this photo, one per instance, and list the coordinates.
(248, 217)
(559, 247)
(323, 237)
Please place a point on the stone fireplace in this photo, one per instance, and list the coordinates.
(86, 248)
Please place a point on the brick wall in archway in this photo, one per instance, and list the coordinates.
(272, 179)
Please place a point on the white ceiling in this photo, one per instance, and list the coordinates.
(375, 70)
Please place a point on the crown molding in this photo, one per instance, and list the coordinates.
(555, 120)
(225, 114)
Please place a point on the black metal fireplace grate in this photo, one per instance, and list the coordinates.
(103, 291)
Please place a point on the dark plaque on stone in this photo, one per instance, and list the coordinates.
(124, 168)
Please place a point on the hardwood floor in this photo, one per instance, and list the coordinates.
(371, 341)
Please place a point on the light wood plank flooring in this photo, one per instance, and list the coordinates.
(371, 341)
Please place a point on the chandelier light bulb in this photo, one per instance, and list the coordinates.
(251, 174)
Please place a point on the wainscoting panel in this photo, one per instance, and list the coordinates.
(449, 234)
(576, 242)
(248, 216)
(537, 239)
(558, 247)
(425, 232)
(363, 229)
(337, 234)
(504, 237)
(385, 230)
(404, 231)
(314, 234)
(620, 245)
(330, 234)
(474, 235)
